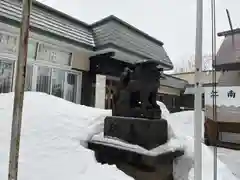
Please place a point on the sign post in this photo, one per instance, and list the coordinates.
(19, 91)
(198, 95)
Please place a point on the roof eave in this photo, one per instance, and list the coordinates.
(229, 32)
(60, 13)
(112, 45)
(114, 18)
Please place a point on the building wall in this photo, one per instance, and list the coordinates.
(81, 60)
(206, 77)
(229, 78)
(169, 90)
(49, 67)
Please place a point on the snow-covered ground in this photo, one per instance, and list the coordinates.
(50, 146)
(54, 133)
(231, 159)
(228, 162)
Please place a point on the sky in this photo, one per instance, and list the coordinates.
(171, 21)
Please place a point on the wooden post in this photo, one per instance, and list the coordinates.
(19, 91)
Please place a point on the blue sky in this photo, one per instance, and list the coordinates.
(171, 21)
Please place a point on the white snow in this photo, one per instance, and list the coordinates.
(54, 133)
(182, 125)
(50, 145)
(231, 158)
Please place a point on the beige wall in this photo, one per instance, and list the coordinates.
(169, 90)
(205, 79)
(229, 78)
(81, 60)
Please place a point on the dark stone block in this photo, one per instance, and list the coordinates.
(115, 155)
(143, 132)
(137, 113)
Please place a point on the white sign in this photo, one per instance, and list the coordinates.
(226, 96)
(100, 91)
(227, 108)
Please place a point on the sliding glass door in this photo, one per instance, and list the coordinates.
(6, 76)
(28, 78)
(43, 79)
(58, 80)
(70, 87)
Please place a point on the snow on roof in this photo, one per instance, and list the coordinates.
(50, 143)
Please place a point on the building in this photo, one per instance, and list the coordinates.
(74, 60)
(225, 127)
(224, 130)
(206, 79)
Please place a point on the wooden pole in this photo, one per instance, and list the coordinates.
(19, 91)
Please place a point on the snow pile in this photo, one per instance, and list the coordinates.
(231, 158)
(183, 128)
(165, 111)
(182, 123)
(53, 128)
(50, 147)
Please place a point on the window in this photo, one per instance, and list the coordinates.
(53, 55)
(8, 43)
(28, 79)
(58, 81)
(71, 87)
(43, 79)
(43, 53)
(6, 76)
(32, 49)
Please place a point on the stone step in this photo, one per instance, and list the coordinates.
(143, 132)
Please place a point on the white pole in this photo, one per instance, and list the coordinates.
(213, 15)
(19, 91)
(198, 95)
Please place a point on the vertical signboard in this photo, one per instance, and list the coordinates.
(100, 91)
(228, 110)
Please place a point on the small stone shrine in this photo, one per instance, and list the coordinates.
(136, 120)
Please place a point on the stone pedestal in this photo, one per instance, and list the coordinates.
(140, 131)
(138, 165)
(162, 172)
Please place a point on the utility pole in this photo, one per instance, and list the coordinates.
(198, 95)
(19, 91)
